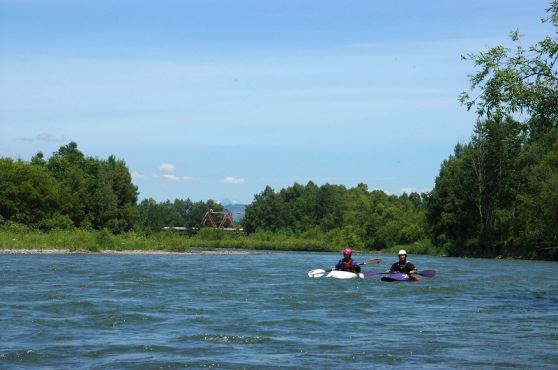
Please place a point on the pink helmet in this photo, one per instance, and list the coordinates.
(347, 251)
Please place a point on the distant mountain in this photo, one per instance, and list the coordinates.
(236, 208)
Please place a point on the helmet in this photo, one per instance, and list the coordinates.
(348, 251)
(402, 251)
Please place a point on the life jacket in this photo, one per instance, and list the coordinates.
(348, 265)
(399, 267)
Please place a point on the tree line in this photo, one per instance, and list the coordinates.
(357, 216)
(71, 190)
(67, 190)
(496, 194)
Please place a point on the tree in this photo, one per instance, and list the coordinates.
(538, 204)
(499, 190)
(451, 211)
(495, 145)
(94, 193)
(354, 216)
(28, 193)
(260, 213)
(522, 80)
(68, 166)
(116, 196)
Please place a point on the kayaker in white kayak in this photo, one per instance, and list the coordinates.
(402, 265)
(347, 263)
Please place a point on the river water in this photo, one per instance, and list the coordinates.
(96, 311)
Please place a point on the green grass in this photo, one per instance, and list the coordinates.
(92, 241)
(19, 237)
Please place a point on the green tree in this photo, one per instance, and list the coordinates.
(451, 212)
(28, 193)
(538, 204)
(520, 80)
(261, 213)
(94, 193)
(68, 165)
(355, 216)
(495, 147)
(489, 192)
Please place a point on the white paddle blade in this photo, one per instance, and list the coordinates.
(316, 273)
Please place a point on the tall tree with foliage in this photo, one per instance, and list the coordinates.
(495, 145)
(522, 80)
(451, 212)
(68, 190)
(95, 193)
(69, 166)
(509, 161)
(29, 194)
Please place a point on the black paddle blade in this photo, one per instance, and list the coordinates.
(373, 261)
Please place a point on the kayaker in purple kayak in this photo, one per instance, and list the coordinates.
(347, 263)
(402, 265)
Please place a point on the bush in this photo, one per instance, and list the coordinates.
(14, 227)
(208, 233)
(105, 239)
(56, 222)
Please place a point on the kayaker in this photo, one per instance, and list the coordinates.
(347, 263)
(402, 265)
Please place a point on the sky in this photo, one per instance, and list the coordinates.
(216, 99)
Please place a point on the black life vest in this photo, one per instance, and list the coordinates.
(399, 267)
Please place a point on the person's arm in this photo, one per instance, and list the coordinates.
(411, 269)
(337, 266)
(357, 267)
(391, 269)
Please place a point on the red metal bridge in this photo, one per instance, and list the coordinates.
(210, 219)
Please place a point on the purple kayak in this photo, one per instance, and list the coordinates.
(396, 276)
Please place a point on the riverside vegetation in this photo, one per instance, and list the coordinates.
(495, 195)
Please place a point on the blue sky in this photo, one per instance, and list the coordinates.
(217, 99)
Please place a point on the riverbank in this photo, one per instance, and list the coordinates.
(208, 241)
(507, 251)
(128, 252)
(18, 238)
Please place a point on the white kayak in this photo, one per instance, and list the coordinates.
(336, 274)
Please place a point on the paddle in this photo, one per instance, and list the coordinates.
(427, 273)
(317, 273)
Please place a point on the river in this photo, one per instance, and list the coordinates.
(96, 311)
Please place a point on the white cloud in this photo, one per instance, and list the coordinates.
(138, 176)
(233, 180)
(174, 178)
(55, 138)
(167, 167)
(411, 190)
(50, 138)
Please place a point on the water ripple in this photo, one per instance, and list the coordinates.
(261, 311)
